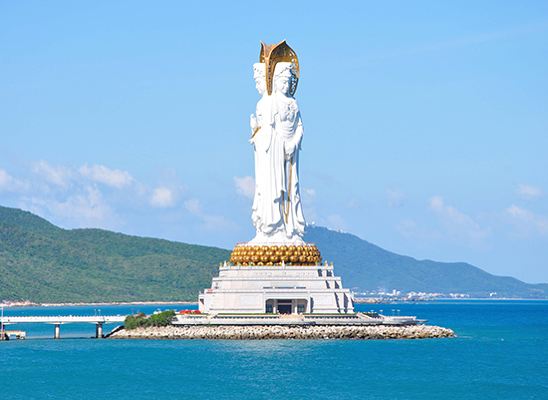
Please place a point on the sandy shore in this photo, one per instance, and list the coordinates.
(286, 332)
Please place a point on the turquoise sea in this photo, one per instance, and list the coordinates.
(501, 353)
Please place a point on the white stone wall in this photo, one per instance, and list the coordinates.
(240, 289)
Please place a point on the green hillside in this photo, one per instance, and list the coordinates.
(43, 263)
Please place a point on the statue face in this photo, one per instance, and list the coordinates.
(282, 84)
(259, 77)
(260, 83)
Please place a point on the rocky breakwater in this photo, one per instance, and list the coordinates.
(285, 332)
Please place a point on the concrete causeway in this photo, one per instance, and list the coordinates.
(58, 320)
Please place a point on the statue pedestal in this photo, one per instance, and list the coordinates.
(278, 289)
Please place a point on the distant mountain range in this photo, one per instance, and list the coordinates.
(364, 266)
(44, 263)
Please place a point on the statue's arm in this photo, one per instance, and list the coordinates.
(294, 143)
(253, 122)
(254, 125)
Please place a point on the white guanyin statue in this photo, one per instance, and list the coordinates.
(277, 132)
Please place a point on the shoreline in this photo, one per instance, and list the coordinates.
(114, 303)
(22, 304)
(371, 300)
(294, 332)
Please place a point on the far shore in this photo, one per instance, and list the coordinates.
(8, 303)
(112, 303)
(384, 300)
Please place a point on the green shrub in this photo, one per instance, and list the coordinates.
(160, 319)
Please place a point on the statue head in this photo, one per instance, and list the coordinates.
(271, 55)
(284, 78)
(259, 72)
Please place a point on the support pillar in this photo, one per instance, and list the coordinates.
(57, 331)
(99, 330)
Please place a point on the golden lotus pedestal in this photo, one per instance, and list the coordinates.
(275, 279)
(271, 255)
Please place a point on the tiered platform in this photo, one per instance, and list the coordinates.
(276, 280)
(294, 319)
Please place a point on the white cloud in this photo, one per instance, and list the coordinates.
(217, 223)
(308, 202)
(70, 196)
(209, 222)
(518, 212)
(354, 203)
(245, 186)
(310, 192)
(336, 222)
(57, 175)
(162, 197)
(308, 199)
(529, 192)
(87, 206)
(111, 177)
(62, 176)
(456, 222)
(395, 198)
(193, 206)
(5, 179)
(527, 220)
(407, 227)
(9, 184)
(411, 229)
(84, 209)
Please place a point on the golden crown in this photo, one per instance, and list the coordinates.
(272, 54)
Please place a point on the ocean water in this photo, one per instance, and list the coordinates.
(501, 352)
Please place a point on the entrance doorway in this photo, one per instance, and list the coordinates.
(284, 307)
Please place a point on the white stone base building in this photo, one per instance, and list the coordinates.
(280, 289)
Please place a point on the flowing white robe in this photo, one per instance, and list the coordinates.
(277, 210)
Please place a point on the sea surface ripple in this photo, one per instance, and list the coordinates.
(501, 352)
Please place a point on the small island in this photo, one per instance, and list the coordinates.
(285, 332)
(189, 325)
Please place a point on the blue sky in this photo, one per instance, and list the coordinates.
(426, 123)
